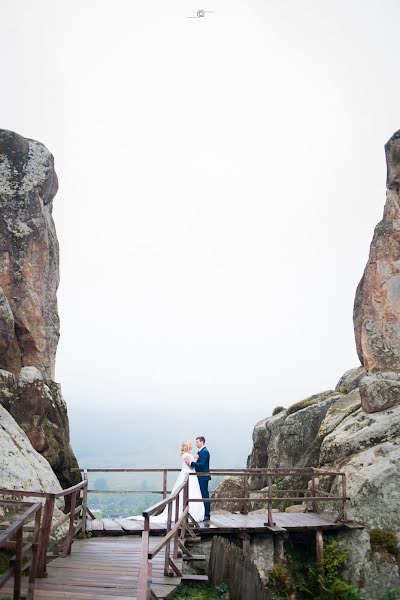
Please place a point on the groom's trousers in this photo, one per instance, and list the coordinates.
(203, 482)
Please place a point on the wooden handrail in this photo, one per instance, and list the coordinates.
(33, 510)
(143, 591)
(273, 498)
(20, 521)
(311, 472)
(221, 471)
(154, 551)
(47, 527)
(72, 489)
(163, 503)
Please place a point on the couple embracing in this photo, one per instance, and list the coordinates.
(198, 486)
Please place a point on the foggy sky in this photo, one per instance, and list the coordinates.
(220, 179)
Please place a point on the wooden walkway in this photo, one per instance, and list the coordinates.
(124, 559)
(223, 523)
(100, 569)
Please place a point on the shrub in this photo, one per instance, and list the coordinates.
(335, 557)
(277, 410)
(384, 541)
(304, 579)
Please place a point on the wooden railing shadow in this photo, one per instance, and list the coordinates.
(12, 539)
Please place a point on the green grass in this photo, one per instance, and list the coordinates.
(293, 408)
(201, 591)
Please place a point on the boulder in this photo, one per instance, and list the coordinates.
(231, 487)
(8, 388)
(350, 380)
(22, 468)
(378, 576)
(290, 440)
(380, 391)
(367, 449)
(262, 553)
(337, 412)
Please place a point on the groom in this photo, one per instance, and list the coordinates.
(202, 465)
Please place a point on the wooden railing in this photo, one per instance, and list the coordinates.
(270, 475)
(310, 495)
(77, 512)
(176, 531)
(162, 492)
(176, 527)
(12, 539)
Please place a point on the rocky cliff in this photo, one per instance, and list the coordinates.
(356, 427)
(29, 322)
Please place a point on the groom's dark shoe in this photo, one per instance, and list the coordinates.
(206, 519)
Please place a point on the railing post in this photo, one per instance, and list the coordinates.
(246, 496)
(167, 545)
(344, 491)
(70, 534)
(45, 534)
(18, 564)
(314, 505)
(270, 518)
(165, 479)
(319, 541)
(176, 536)
(145, 571)
(35, 548)
(185, 504)
(84, 504)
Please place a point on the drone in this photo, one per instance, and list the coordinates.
(200, 14)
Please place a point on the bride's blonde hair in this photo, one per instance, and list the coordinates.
(186, 446)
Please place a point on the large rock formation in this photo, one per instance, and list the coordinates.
(29, 272)
(29, 323)
(377, 302)
(356, 429)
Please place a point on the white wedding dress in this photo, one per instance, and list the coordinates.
(196, 509)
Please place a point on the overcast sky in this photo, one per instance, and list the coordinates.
(220, 179)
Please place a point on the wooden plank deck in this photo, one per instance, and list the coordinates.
(100, 569)
(225, 523)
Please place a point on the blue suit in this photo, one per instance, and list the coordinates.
(203, 466)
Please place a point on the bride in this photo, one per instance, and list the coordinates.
(196, 509)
